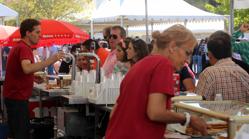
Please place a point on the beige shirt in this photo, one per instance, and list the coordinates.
(226, 78)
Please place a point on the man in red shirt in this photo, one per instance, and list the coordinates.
(19, 78)
(142, 109)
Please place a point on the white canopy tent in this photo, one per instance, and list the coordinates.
(132, 12)
(6, 14)
(158, 10)
(241, 4)
(200, 30)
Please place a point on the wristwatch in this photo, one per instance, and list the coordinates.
(187, 121)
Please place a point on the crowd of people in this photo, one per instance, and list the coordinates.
(143, 106)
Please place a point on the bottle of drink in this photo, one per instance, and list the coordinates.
(218, 97)
(67, 57)
(176, 78)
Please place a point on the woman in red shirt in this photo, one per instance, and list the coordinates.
(142, 108)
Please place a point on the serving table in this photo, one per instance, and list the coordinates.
(233, 112)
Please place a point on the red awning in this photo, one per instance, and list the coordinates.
(5, 32)
(54, 32)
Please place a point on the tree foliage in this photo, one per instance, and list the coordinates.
(47, 9)
(223, 7)
(198, 3)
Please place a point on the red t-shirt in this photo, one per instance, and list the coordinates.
(102, 53)
(17, 84)
(130, 121)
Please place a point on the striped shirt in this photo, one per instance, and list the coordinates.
(226, 78)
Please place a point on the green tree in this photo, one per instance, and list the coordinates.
(223, 7)
(47, 9)
(198, 3)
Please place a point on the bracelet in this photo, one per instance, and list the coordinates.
(187, 116)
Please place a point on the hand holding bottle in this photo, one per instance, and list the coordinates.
(66, 56)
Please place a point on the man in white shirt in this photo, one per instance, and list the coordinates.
(117, 34)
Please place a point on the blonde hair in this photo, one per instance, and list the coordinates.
(177, 33)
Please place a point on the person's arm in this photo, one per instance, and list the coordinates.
(187, 79)
(29, 67)
(189, 84)
(157, 112)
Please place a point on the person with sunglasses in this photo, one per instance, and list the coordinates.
(143, 106)
(137, 49)
(117, 34)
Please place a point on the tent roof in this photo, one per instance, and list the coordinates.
(5, 31)
(241, 4)
(107, 9)
(158, 10)
(7, 12)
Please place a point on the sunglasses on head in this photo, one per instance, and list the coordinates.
(113, 36)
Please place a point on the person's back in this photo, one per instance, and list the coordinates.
(226, 78)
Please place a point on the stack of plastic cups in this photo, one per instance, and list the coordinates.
(84, 82)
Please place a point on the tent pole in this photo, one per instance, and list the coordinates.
(17, 20)
(185, 23)
(122, 21)
(152, 24)
(127, 31)
(91, 24)
(146, 22)
(231, 16)
(224, 22)
(1, 20)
